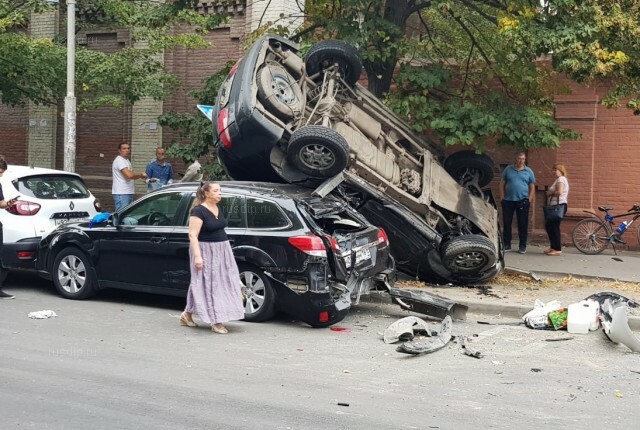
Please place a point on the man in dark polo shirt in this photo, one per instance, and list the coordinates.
(517, 188)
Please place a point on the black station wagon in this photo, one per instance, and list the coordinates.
(297, 253)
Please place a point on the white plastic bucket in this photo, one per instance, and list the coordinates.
(582, 317)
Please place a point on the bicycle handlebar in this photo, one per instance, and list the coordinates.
(634, 208)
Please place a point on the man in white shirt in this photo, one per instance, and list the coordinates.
(192, 173)
(123, 187)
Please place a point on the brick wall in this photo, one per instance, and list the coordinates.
(14, 125)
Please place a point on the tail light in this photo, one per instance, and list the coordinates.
(24, 208)
(334, 243)
(26, 255)
(323, 317)
(223, 128)
(382, 236)
(97, 205)
(309, 244)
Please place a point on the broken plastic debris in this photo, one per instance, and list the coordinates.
(467, 349)
(42, 314)
(614, 317)
(404, 329)
(426, 347)
(340, 329)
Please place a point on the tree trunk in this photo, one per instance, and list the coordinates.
(380, 74)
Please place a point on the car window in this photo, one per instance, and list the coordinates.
(158, 209)
(232, 210)
(52, 187)
(265, 214)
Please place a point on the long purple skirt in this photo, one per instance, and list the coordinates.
(214, 292)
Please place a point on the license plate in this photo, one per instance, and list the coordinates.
(361, 255)
(61, 221)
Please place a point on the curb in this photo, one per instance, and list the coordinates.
(538, 274)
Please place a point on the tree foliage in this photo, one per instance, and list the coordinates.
(469, 71)
(194, 133)
(35, 68)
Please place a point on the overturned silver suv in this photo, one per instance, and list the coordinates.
(281, 117)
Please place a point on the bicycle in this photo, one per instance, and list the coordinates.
(592, 235)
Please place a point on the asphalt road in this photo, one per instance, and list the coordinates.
(121, 361)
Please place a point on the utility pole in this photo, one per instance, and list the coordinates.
(70, 99)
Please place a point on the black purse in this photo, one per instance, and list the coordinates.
(554, 212)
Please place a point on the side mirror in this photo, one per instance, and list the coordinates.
(114, 219)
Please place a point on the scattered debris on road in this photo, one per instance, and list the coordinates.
(426, 347)
(467, 349)
(405, 329)
(42, 314)
(558, 339)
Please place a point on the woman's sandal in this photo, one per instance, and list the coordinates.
(546, 251)
(221, 330)
(186, 322)
(554, 253)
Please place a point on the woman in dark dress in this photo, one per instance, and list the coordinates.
(214, 292)
(4, 204)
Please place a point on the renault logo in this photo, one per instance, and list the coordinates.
(71, 206)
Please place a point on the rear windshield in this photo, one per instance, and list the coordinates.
(339, 222)
(52, 187)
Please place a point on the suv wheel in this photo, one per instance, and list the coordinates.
(467, 164)
(279, 92)
(318, 151)
(468, 254)
(329, 52)
(258, 294)
(72, 274)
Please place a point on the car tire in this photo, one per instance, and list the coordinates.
(458, 163)
(318, 151)
(258, 294)
(329, 52)
(279, 92)
(468, 254)
(73, 274)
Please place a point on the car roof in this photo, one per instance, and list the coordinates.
(16, 171)
(269, 188)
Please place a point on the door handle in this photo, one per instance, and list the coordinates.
(158, 239)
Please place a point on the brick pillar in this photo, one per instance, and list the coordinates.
(43, 120)
(146, 134)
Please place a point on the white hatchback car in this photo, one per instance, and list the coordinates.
(47, 198)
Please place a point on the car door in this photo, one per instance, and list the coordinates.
(178, 271)
(135, 254)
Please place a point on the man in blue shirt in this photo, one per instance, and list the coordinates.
(517, 188)
(159, 172)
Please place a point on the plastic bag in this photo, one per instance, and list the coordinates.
(538, 317)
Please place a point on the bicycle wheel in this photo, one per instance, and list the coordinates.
(591, 236)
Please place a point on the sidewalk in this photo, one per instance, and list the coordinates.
(607, 266)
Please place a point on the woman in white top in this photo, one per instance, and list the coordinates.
(557, 195)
